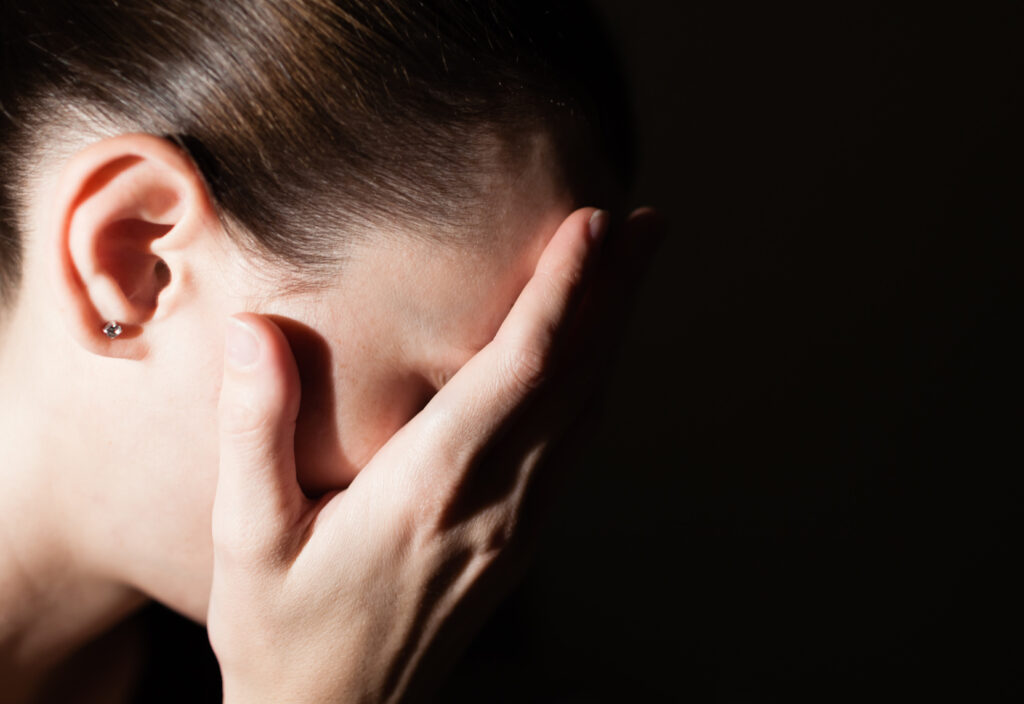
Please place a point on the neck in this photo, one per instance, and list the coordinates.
(52, 599)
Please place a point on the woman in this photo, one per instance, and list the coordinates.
(380, 203)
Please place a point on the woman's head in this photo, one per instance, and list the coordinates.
(380, 176)
(317, 122)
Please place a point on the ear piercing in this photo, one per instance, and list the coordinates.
(112, 329)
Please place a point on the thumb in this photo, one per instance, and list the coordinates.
(258, 497)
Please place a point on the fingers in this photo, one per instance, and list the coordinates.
(627, 257)
(258, 496)
(645, 230)
(542, 311)
(468, 411)
(471, 414)
(564, 422)
(595, 332)
(601, 330)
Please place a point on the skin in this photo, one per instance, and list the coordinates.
(104, 505)
(399, 532)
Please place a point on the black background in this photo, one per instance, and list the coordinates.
(805, 483)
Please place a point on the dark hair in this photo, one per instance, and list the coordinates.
(310, 118)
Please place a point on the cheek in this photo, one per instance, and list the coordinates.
(475, 302)
(351, 404)
(343, 422)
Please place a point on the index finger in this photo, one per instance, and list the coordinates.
(470, 409)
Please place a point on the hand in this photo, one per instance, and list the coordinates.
(369, 593)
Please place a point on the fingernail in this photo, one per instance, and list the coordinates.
(598, 224)
(241, 346)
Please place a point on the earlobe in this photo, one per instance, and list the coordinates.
(126, 211)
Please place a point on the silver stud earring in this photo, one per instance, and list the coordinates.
(112, 329)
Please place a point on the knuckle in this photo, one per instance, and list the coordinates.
(559, 285)
(243, 416)
(525, 366)
(569, 278)
(437, 431)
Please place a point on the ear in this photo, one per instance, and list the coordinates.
(127, 210)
